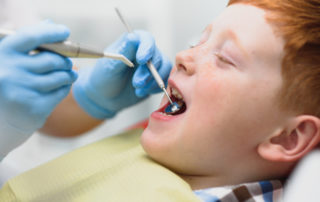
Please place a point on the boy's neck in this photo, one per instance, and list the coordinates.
(202, 182)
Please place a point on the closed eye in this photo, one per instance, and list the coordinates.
(223, 59)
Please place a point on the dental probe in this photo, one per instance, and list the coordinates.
(73, 50)
(151, 67)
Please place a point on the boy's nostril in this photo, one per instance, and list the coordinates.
(182, 67)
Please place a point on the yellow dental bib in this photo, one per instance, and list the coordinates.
(115, 169)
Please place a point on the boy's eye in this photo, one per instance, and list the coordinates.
(223, 59)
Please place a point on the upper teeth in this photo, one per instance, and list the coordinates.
(176, 94)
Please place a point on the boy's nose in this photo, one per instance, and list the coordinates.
(185, 61)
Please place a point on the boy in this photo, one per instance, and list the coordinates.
(249, 90)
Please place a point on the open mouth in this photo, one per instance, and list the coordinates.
(177, 99)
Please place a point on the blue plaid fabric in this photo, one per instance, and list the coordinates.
(264, 191)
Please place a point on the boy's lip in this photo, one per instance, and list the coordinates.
(158, 113)
(172, 84)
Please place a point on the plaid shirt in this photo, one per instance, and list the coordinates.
(264, 191)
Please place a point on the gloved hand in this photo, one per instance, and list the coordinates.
(110, 85)
(30, 85)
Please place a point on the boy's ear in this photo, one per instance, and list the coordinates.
(300, 135)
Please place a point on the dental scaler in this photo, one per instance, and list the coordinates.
(73, 50)
(174, 106)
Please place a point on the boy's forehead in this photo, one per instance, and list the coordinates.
(248, 27)
(239, 14)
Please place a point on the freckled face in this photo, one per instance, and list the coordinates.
(229, 82)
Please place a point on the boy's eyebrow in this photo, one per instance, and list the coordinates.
(230, 33)
(236, 40)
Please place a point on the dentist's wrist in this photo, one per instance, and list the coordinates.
(89, 106)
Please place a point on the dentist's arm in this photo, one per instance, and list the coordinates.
(30, 85)
(102, 91)
(68, 119)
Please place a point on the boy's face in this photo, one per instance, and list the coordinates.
(229, 82)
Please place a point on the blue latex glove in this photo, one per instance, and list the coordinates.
(110, 85)
(30, 85)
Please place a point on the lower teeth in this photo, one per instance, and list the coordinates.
(166, 114)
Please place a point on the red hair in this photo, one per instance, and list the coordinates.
(298, 22)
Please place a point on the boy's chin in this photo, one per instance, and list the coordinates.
(152, 144)
(147, 140)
